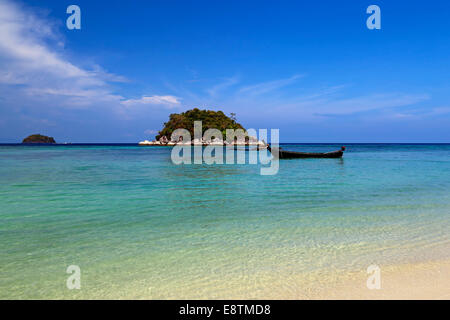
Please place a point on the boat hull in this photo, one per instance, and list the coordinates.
(305, 155)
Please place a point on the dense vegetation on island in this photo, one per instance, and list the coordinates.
(38, 138)
(210, 120)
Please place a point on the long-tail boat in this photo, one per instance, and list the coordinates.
(293, 154)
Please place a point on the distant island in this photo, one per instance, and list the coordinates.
(210, 120)
(38, 138)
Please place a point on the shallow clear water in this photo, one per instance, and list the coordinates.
(141, 227)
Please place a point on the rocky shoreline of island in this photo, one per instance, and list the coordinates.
(164, 141)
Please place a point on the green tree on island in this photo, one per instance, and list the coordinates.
(210, 120)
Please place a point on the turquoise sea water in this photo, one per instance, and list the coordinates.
(139, 226)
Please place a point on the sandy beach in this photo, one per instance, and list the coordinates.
(430, 281)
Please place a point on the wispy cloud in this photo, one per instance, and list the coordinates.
(420, 113)
(316, 103)
(151, 131)
(265, 100)
(265, 87)
(226, 83)
(364, 103)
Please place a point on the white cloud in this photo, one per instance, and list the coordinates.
(35, 67)
(31, 55)
(23, 43)
(169, 101)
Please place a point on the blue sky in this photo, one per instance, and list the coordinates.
(309, 68)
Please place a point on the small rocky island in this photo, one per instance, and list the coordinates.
(38, 138)
(210, 120)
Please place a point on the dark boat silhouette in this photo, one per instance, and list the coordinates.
(298, 155)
